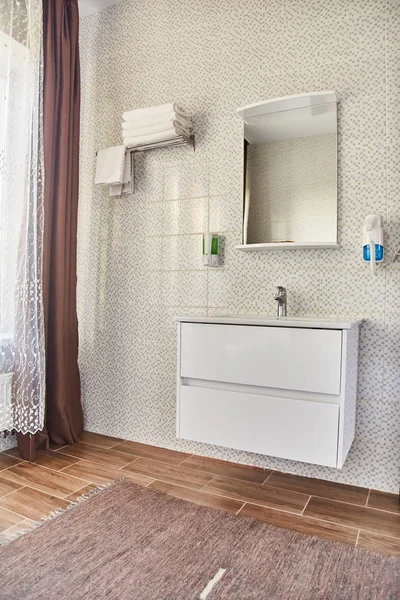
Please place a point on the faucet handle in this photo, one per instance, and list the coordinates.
(281, 292)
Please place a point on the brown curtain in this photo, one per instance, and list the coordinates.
(61, 112)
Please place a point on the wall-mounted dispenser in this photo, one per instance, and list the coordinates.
(211, 249)
(373, 247)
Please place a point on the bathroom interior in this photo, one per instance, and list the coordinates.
(205, 342)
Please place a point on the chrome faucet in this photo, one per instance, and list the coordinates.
(281, 299)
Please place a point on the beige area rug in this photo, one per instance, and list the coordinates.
(129, 542)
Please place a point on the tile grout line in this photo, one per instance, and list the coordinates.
(124, 466)
(15, 524)
(372, 508)
(132, 458)
(18, 515)
(366, 502)
(98, 445)
(206, 484)
(35, 486)
(358, 535)
(7, 453)
(315, 495)
(268, 477)
(243, 505)
(317, 520)
(384, 535)
(9, 493)
(249, 501)
(34, 464)
(54, 471)
(78, 490)
(182, 461)
(302, 512)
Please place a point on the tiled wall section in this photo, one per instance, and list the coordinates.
(139, 256)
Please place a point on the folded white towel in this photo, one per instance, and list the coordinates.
(150, 129)
(173, 128)
(155, 137)
(151, 111)
(110, 165)
(124, 187)
(157, 120)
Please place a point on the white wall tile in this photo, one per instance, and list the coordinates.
(185, 216)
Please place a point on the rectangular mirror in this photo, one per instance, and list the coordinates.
(290, 173)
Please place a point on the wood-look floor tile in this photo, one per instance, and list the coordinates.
(85, 490)
(51, 482)
(197, 497)
(99, 474)
(97, 439)
(13, 452)
(7, 486)
(171, 457)
(351, 515)
(318, 487)
(92, 472)
(8, 534)
(96, 454)
(384, 501)
(379, 543)
(257, 494)
(301, 524)
(56, 446)
(8, 461)
(8, 519)
(54, 460)
(31, 503)
(169, 473)
(226, 469)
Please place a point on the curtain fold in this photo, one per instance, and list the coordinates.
(61, 111)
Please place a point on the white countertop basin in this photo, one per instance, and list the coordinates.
(273, 321)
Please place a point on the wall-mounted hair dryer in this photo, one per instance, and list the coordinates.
(373, 248)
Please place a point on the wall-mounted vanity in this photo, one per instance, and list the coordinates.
(279, 387)
(290, 173)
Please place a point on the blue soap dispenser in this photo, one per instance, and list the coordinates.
(373, 248)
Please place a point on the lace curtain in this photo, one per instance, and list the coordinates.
(21, 215)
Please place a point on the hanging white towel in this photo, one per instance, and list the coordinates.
(162, 118)
(126, 186)
(110, 165)
(152, 111)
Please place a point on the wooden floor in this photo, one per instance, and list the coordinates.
(353, 515)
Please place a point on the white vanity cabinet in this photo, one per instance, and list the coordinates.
(284, 388)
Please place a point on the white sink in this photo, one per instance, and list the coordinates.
(274, 321)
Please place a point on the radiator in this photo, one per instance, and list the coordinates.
(6, 420)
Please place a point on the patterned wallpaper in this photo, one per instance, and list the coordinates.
(292, 186)
(139, 255)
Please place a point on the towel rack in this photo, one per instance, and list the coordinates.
(183, 140)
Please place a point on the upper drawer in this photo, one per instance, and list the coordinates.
(277, 357)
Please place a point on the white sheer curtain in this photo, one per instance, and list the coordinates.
(21, 215)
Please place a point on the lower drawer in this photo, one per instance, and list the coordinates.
(282, 427)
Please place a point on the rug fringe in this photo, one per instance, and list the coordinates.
(57, 512)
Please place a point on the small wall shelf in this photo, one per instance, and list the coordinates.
(284, 246)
